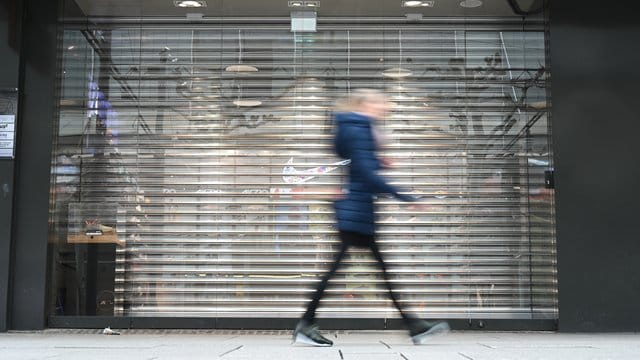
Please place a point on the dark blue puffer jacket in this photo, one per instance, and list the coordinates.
(354, 140)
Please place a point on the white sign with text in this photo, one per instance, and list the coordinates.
(7, 135)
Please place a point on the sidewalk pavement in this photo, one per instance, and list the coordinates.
(69, 344)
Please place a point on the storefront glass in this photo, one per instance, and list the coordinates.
(193, 170)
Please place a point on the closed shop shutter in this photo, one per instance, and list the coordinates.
(207, 150)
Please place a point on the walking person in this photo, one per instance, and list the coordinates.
(356, 138)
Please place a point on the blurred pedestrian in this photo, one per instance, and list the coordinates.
(357, 138)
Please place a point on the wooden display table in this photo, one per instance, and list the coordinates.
(109, 238)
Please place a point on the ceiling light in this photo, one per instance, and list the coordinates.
(295, 3)
(397, 73)
(190, 3)
(417, 3)
(312, 4)
(241, 68)
(470, 3)
(247, 103)
(403, 97)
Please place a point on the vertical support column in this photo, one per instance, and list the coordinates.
(596, 147)
(10, 16)
(36, 116)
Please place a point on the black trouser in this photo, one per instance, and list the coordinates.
(349, 239)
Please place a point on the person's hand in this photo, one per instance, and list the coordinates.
(413, 199)
(386, 162)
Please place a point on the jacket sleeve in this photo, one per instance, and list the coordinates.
(364, 166)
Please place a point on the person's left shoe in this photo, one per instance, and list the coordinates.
(307, 333)
(425, 329)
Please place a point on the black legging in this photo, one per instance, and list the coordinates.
(357, 240)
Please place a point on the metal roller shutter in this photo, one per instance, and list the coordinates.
(218, 182)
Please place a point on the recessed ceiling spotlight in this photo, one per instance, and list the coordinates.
(190, 3)
(470, 3)
(307, 4)
(417, 3)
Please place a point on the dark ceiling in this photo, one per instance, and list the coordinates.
(279, 8)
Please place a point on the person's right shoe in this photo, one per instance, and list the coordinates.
(426, 329)
(307, 333)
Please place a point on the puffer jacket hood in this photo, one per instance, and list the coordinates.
(348, 119)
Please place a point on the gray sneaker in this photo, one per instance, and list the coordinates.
(428, 329)
(307, 333)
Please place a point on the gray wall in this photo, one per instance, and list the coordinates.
(595, 67)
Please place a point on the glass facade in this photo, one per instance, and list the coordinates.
(193, 171)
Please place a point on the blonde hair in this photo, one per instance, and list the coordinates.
(356, 98)
(354, 102)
